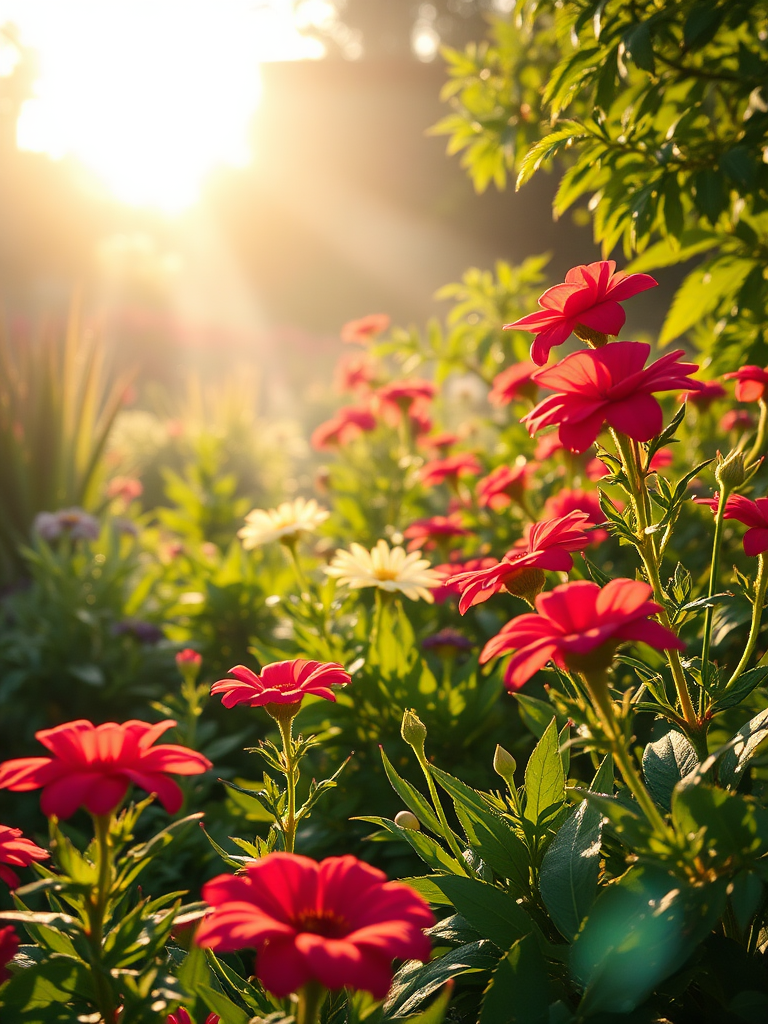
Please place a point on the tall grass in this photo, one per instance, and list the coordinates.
(57, 406)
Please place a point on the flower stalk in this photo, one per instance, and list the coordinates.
(762, 434)
(714, 574)
(97, 910)
(761, 585)
(291, 772)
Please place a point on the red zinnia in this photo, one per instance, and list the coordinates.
(189, 657)
(521, 572)
(182, 1017)
(9, 947)
(338, 922)
(661, 459)
(93, 766)
(354, 372)
(588, 502)
(449, 571)
(502, 486)
(439, 442)
(427, 533)
(364, 330)
(419, 417)
(587, 303)
(547, 445)
(348, 423)
(753, 514)
(709, 391)
(16, 850)
(401, 394)
(450, 468)
(514, 382)
(736, 419)
(608, 385)
(282, 682)
(579, 626)
(751, 383)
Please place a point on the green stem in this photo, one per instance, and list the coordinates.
(762, 429)
(761, 584)
(450, 838)
(289, 822)
(650, 559)
(96, 914)
(601, 700)
(290, 547)
(311, 998)
(714, 574)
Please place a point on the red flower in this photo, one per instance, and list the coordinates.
(751, 383)
(282, 682)
(364, 330)
(588, 502)
(450, 468)
(587, 303)
(736, 419)
(426, 533)
(354, 372)
(608, 385)
(547, 445)
(662, 458)
(449, 571)
(127, 488)
(348, 423)
(338, 922)
(16, 850)
(418, 414)
(93, 766)
(502, 486)
(521, 570)
(401, 394)
(709, 391)
(9, 947)
(753, 514)
(514, 382)
(579, 626)
(439, 442)
(189, 657)
(182, 1017)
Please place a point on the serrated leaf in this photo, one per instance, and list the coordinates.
(544, 780)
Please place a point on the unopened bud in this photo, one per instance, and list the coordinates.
(729, 471)
(413, 731)
(405, 819)
(504, 764)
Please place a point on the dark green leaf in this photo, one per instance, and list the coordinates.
(411, 797)
(665, 762)
(492, 912)
(520, 990)
(743, 686)
(415, 982)
(747, 740)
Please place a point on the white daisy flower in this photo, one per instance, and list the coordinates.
(389, 569)
(284, 523)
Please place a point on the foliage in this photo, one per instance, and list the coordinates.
(656, 114)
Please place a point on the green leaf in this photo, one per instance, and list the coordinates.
(493, 913)
(433, 855)
(519, 991)
(537, 714)
(58, 980)
(739, 165)
(745, 744)
(711, 196)
(702, 292)
(668, 252)
(415, 982)
(665, 762)
(639, 46)
(435, 1014)
(544, 780)
(639, 932)
(742, 688)
(702, 24)
(545, 149)
(412, 798)
(217, 1002)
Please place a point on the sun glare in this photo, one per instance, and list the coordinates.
(150, 95)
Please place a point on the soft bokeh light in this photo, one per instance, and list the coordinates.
(150, 95)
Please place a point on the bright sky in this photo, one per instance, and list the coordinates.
(150, 95)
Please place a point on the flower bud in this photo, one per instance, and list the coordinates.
(729, 471)
(504, 764)
(413, 731)
(188, 663)
(405, 819)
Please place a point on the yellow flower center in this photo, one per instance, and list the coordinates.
(385, 574)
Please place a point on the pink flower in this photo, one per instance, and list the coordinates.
(18, 851)
(182, 1017)
(400, 395)
(127, 488)
(338, 922)
(439, 442)
(504, 485)
(521, 572)
(514, 382)
(709, 391)
(588, 502)
(753, 514)
(426, 533)
(751, 383)
(94, 765)
(736, 419)
(9, 947)
(354, 372)
(189, 657)
(449, 469)
(587, 303)
(282, 682)
(449, 572)
(362, 331)
(608, 386)
(348, 423)
(579, 626)
(547, 445)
